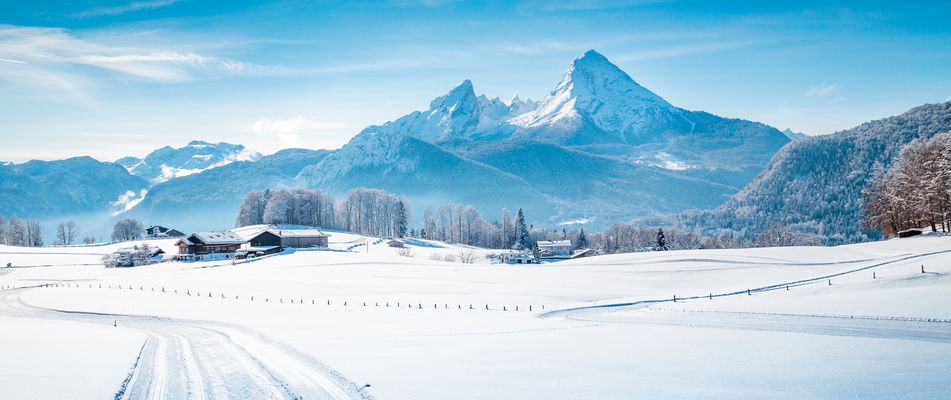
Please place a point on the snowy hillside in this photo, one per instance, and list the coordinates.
(325, 324)
(168, 163)
(816, 183)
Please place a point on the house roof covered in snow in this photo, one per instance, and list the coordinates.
(213, 238)
(297, 232)
(554, 243)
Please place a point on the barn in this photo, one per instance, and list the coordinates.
(301, 238)
(209, 243)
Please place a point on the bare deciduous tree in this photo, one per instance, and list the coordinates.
(127, 229)
(67, 232)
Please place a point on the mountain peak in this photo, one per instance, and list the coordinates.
(592, 56)
(462, 93)
(593, 74)
(596, 90)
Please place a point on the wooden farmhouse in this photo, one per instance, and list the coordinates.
(201, 243)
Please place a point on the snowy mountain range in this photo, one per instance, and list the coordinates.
(599, 147)
(168, 163)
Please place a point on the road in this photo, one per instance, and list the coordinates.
(184, 359)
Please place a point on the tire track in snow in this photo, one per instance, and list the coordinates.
(198, 359)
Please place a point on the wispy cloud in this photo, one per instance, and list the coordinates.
(125, 8)
(55, 58)
(822, 90)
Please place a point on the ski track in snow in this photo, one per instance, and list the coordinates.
(184, 359)
(646, 312)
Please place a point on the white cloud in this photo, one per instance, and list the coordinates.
(36, 54)
(580, 221)
(289, 131)
(127, 201)
(822, 90)
(125, 8)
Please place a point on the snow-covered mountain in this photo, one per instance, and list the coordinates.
(816, 184)
(73, 187)
(167, 163)
(599, 108)
(596, 92)
(210, 199)
(655, 157)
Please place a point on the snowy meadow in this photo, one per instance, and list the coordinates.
(817, 322)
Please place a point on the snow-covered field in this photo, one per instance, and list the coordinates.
(323, 324)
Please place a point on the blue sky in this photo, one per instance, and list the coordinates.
(116, 78)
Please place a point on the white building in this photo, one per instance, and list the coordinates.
(557, 249)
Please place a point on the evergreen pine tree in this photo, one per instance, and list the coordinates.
(661, 241)
(582, 242)
(401, 220)
(523, 240)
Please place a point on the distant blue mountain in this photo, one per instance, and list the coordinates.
(65, 188)
(168, 163)
(210, 199)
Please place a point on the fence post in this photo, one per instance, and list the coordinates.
(711, 296)
(922, 268)
(748, 293)
(873, 274)
(830, 282)
(675, 298)
(529, 307)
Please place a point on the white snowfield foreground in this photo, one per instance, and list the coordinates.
(859, 321)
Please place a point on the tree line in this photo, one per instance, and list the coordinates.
(20, 232)
(915, 191)
(365, 211)
(378, 213)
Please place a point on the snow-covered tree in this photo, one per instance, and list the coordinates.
(127, 229)
(17, 233)
(582, 241)
(661, 242)
(34, 233)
